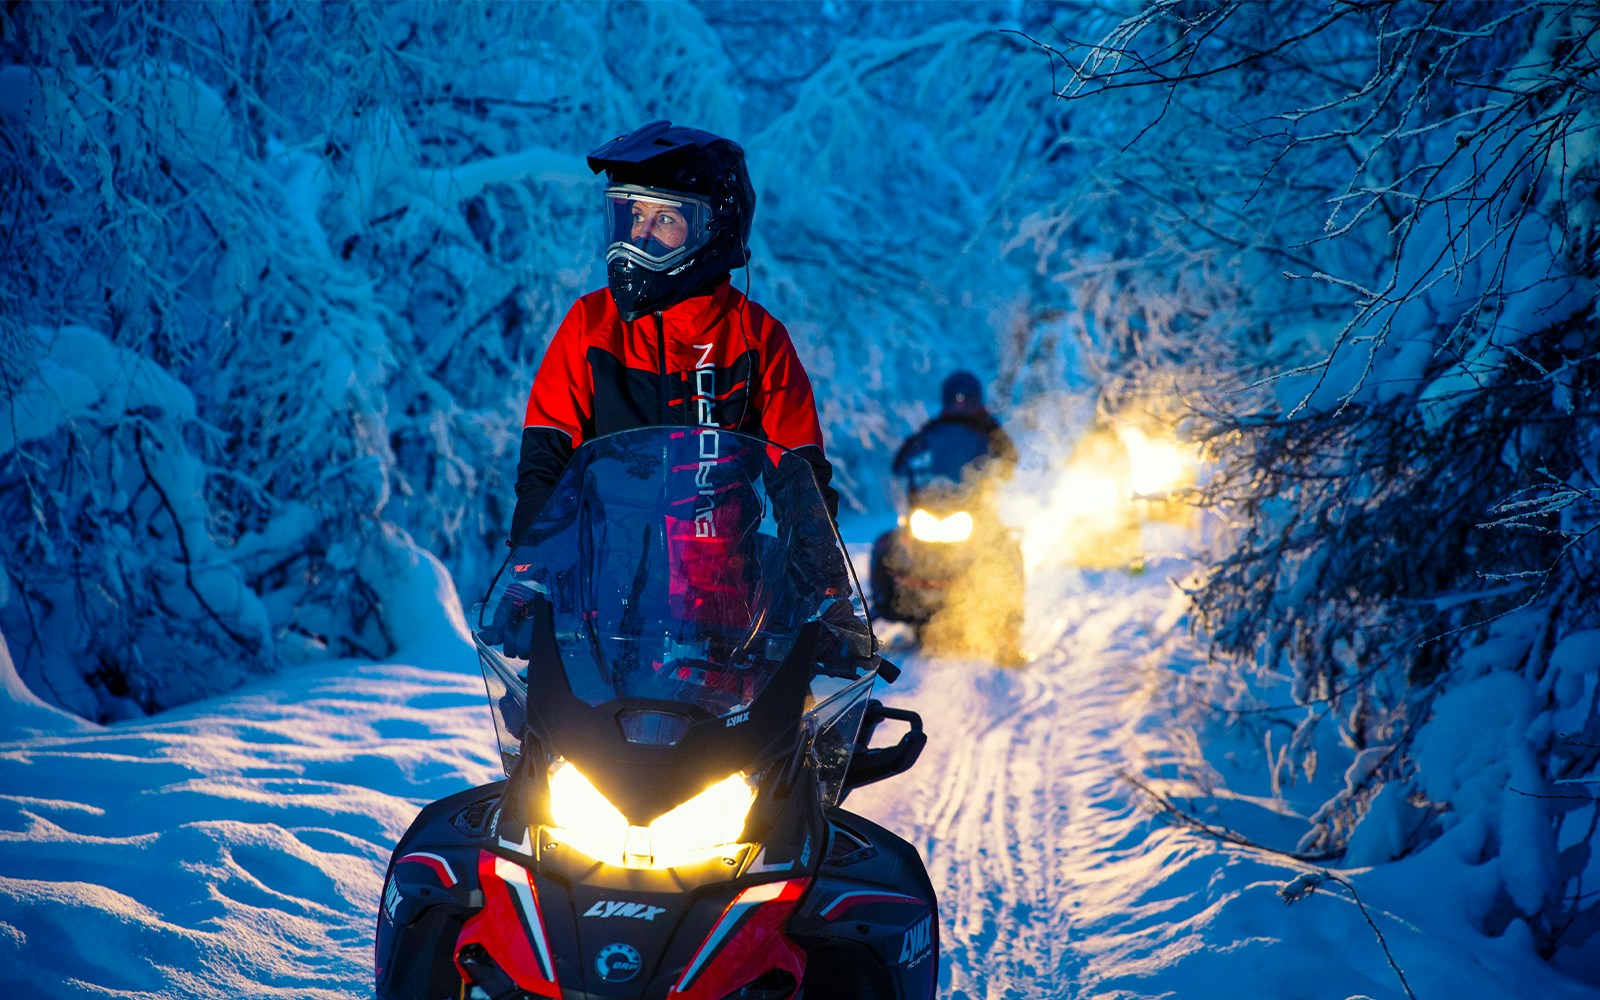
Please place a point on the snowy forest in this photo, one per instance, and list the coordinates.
(276, 277)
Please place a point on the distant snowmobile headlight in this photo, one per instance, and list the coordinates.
(704, 827)
(1157, 465)
(926, 527)
(1088, 495)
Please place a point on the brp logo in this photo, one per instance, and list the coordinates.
(617, 963)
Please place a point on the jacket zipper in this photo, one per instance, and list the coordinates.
(661, 346)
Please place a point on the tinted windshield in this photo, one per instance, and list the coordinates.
(678, 565)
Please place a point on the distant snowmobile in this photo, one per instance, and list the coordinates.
(950, 568)
(683, 695)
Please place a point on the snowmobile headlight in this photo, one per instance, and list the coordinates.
(706, 826)
(1087, 495)
(927, 527)
(703, 826)
(1157, 465)
(586, 819)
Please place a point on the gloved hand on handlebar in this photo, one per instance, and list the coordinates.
(816, 562)
(513, 619)
(845, 643)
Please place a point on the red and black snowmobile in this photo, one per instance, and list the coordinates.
(681, 676)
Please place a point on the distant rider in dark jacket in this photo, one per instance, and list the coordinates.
(955, 459)
(963, 411)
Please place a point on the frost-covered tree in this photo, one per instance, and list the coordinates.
(313, 221)
(277, 274)
(1398, 203)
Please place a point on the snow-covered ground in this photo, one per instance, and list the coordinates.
(1056, 880)
(236, 848)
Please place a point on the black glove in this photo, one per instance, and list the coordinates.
(513, 619)
(845, 644)
(816, 564)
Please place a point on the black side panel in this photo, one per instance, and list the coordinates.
(422, 964)
(870, 925)
(424, 904)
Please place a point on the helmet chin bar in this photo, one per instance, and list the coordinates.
(639, 291)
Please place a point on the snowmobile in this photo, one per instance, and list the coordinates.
(681, 678)
(1125, 484)
(950, 568)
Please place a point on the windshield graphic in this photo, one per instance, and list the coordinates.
(678, 565)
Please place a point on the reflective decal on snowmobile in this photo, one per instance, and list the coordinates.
(846, 901)
(617, 963)
(914, 947)
(509, 928)
(746, 941)
(434, 862)
(391, 898)
(523, 846)
(760, 865)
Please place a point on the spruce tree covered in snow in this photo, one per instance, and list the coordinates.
(262, 204)
(332, 242)
(1404, 199)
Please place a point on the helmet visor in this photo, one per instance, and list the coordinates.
(654, 228)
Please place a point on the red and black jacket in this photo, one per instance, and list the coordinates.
(712, 360)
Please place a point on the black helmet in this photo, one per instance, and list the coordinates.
(962, 392)
(678, 214)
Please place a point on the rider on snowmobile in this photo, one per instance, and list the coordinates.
(670, 341)
(953, 544)
(964, 439)
(654, 769)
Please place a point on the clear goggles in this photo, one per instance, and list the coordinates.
(652, 227)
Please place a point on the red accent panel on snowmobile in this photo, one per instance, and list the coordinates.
(510, 927)
(850, 900)
(439, 866)
(747, 941)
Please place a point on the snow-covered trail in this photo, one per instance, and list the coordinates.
(1010, 800)
(1057, 882)
(235, 849)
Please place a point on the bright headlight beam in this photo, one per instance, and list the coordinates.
(586, 819)
(1156, 465)
(700, 828)
(703, 825)
(926, 527)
